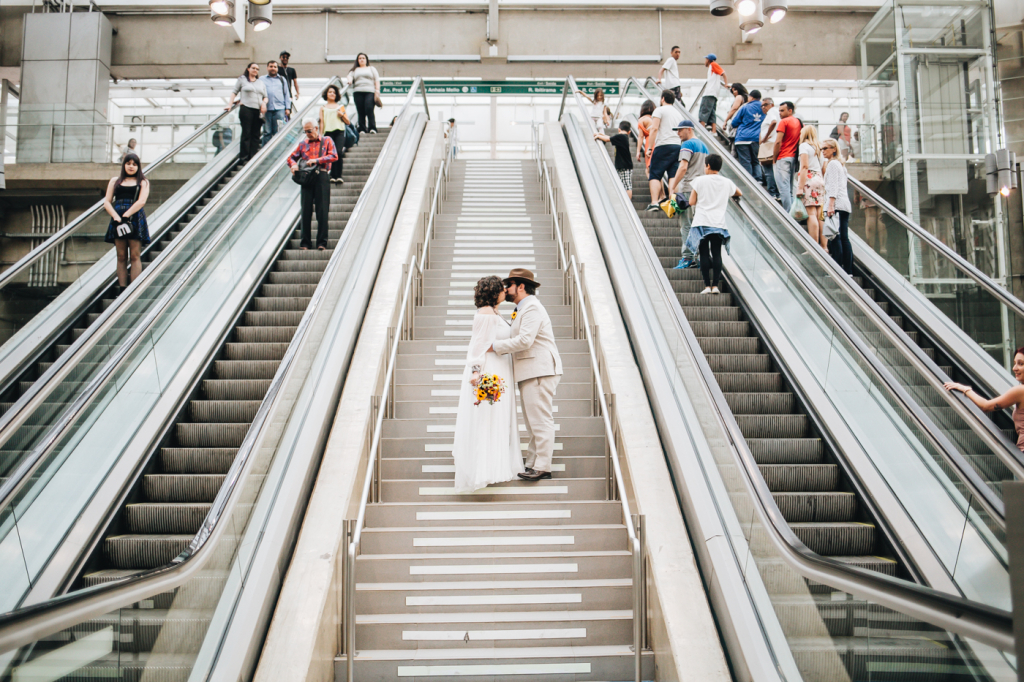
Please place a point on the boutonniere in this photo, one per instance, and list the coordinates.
(514, 313)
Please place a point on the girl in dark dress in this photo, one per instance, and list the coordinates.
(128, 230)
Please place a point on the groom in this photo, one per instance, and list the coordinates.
(537, 368)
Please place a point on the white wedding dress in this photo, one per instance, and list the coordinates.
(486, 446)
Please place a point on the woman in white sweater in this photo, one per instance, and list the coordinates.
(251, 93)
(837, 203)
(365, 82)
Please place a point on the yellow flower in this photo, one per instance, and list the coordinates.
(514, 313)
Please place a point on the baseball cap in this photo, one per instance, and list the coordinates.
(285, 53)
(683, 124)
(712, 57)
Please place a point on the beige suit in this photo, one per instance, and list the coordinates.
(538, 368)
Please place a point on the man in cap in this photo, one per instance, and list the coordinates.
(537, 367)
(692, 153)
(716, 81)
(289, 72)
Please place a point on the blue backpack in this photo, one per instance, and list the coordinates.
(351, 135)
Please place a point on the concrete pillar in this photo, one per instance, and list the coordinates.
(65, 84)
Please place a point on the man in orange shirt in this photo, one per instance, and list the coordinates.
(708, 103)
(787, 139)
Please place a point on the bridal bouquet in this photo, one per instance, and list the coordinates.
(490, 388)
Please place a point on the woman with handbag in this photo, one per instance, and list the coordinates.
(128, 230)
(365, 82)
(810, 185)
(333, 120)
(252, 93)
(837, 204)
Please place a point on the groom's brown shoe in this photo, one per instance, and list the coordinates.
(529, 470)
(535, 475)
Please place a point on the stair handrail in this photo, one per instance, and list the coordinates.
(415, 269)
(62, 234)
(984, 623)
(984, 428)
(573, 273)
(18, 413)
(26, 625)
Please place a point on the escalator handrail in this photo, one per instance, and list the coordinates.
(981, 425)
(972, 619)
(958, 261)
(26, 625)
(15, 416)
(62, 234)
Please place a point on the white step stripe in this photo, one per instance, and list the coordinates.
(487, 635)
(494, 232)
(458, 333)
(494, 599)
(450, 428)
(492, 670)
(444, 393)
(500, 541)
(452, 349)
(450, 468)
(488, 617)
(491, 515)
(447, 447)
(492, 569)
(533, 490)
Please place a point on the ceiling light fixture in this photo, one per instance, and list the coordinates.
(261, 15)
(775, 10)
(752, 21)
(222, 12)
(721, 8)
(746, 7)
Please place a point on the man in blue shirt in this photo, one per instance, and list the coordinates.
(747, 124)
(692, 153)
(279, 101)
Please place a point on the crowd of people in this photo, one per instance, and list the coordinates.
(806, 175)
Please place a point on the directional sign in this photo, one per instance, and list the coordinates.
(518, 87)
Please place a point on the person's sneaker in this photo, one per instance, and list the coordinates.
(341, 181)
(652, 207)
(683, 264)
(715, 290)
(695, 263)
(707, 290)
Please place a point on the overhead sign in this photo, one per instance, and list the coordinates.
(518, 87)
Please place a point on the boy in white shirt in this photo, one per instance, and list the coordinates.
(668, 74)
(710, 197)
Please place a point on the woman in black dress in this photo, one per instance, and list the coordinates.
(128, 230)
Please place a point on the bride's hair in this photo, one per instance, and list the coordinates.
(485, 295)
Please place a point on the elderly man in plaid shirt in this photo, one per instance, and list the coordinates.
(320, 151)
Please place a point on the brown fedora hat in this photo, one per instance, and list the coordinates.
(521, 274)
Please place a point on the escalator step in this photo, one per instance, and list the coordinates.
(197, 460)
(182, 487)
(761, 403)
(730, 344)
(291, 304)
(762, 382)
(739, 363)
(712, 314)
(773, 426)
(254, 351)
(288, 290)
(273, 318)
(165, 518)
(787, 450)
(720, 329)
(300, 265)
(817, 507)
(264, 334)
(293, 277)
(849, 538)
(795, 478)
(210, 435)
(236, 369)
(223, 411)
(235, 389)
(143, 551)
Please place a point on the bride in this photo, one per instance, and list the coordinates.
(486, 446)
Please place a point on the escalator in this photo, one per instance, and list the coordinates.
(172, 498)
(228, 456)
(780, 390)
(964, 321)
(18, 384)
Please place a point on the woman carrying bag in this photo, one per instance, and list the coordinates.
(810, 185)
(128, 230)
(252, 93)
(365, 82)
(837, 205)
(333, 121)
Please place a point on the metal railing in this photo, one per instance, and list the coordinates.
(22, 409)
(29, 624)
(980, 425)
(58, 237)
(971, 619)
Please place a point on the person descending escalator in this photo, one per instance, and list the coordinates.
(333, 121)
(252, 94)
(128, 230)
(365, 82)
(314, 155)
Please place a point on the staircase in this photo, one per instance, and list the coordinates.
(519, 580)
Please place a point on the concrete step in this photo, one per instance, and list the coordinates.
(555, 488)
(492, 513)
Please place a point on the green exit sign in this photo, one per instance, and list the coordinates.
(518, 87)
